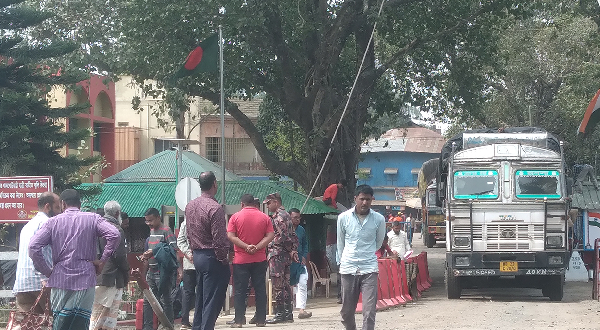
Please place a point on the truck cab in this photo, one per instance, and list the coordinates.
(506, 211)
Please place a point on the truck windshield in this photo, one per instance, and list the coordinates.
(476, 184)
(537, 184)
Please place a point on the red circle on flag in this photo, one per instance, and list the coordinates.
(193, 58)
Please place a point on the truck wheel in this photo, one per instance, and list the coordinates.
(554, 287)
(452, 285)
(430, 240)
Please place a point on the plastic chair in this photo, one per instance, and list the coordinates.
(316, 278)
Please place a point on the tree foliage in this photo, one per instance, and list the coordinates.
(550, 70)
(31, 133)
(304, 55)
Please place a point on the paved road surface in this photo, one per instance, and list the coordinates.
(490, 309)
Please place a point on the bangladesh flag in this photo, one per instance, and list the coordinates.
(203, 58)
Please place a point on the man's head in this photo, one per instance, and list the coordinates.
(296, 217)
(124, 220)
(208, 182)
(49, 203)
(273, 201)
(247, 200)
(70, 198)
(363, 197)
(113, 208)
(396, 227)
(343, 183)
(152, 217)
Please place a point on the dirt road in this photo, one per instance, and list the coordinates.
(491, 309)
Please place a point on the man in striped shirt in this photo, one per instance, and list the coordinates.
(28, 282)
(73, 237)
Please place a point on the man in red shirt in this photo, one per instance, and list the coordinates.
(250, 231)
(330, 194)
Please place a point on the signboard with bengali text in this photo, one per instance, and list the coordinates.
(19, 196)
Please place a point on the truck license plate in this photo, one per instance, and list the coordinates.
(509, 266)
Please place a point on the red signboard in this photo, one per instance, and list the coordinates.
(19, 196)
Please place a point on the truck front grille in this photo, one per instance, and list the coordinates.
(503, 237)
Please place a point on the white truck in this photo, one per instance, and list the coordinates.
(506, 207)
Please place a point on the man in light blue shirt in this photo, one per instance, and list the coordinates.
(28, 281)
(360, 232)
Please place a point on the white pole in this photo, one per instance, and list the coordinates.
(222, 118)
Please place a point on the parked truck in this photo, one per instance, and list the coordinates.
(506, 207)
(433, 220)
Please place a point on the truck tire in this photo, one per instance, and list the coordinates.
(430, 242)
(554, 287)
(453, 287)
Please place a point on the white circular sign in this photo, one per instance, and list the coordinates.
(186, 190)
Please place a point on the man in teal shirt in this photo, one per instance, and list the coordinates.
(360, 232)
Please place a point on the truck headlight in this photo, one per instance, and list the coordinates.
(555, 260)
(462, 261)
(462, 241)
(554, 241)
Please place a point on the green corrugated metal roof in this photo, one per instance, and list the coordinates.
(162, 166)
(136, 197)
(588, 199)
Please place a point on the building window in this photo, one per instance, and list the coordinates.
(213, 147)
(97, 135)
(237, 150)
(162, 145)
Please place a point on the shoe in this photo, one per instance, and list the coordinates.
(252, 320)
(339, 301)
(185, 327)
(280, 316)
(304, 315)
(233, 321)
(261, 324)
(289, 312)
(236, 325)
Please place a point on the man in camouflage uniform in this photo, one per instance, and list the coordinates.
(282, 250)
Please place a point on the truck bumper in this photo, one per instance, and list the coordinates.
(488, 264)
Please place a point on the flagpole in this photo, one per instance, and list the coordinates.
(222, 118)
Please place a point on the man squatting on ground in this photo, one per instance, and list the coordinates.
(283, 249)
(360, 232)
(73, 275)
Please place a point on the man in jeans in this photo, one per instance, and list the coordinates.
(250, 231)
(160, 283)
(360, 232)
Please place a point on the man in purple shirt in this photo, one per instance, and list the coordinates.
(207, 233)
(73, 237)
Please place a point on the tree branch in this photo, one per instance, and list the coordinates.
(293, 169)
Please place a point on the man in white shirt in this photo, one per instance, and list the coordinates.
(398, 241)
(189, 277)
(28, 282)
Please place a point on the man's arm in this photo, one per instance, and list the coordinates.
(341, 238)
(380, 235)
(232, 235)
(183, 243)
(39, 240)
(303, 246)
(219, 234)
(111, 234)
(265, 240)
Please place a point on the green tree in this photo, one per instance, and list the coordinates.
(31, 132)
(305, 55)
(550, 71)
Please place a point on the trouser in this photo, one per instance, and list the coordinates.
(279, 271)
(301, 290)
(163, 296)
(212, 278)
(189, 295)
(255, 272)
(352, 287)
